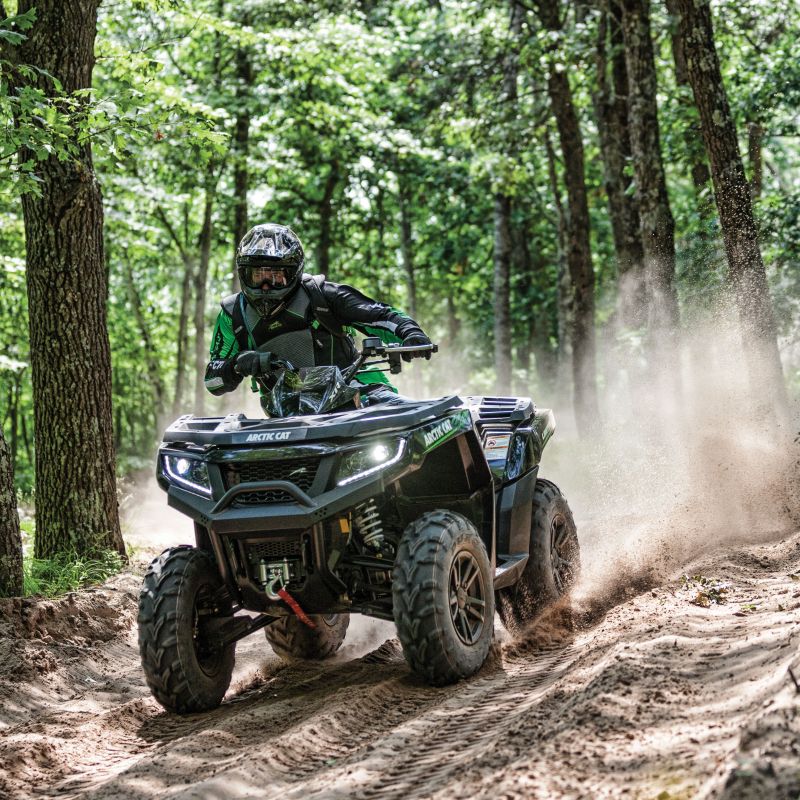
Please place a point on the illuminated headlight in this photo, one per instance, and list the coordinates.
(190, 473)
(366, 461)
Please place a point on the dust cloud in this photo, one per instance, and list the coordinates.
(681, 463)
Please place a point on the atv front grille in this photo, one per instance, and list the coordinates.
(274, 549)
(299, 471)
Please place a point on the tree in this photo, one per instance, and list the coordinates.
(579, 253)
(611, 110)
(746, 272)
(67, 292)
(10, 540)
(655, 215)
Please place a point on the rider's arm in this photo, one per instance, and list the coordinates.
(220, 376)
(372, 318)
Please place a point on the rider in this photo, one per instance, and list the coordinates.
(285, 314)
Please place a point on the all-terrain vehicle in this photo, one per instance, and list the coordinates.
(428, 513)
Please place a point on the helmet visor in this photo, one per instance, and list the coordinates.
(268, 276)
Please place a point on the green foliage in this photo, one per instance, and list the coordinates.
(67, 573)
(360, 113)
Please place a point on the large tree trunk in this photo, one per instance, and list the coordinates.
(200, 285)
(502, 293)
(579, 254)
(76, 503)
(10, 539)
(657, 224)
(610, 102)
(746, 271)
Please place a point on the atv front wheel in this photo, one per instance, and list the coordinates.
(554, 560)
(443, 598)
(185, 673)
(293, 640)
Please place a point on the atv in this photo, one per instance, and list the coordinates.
(428, 513)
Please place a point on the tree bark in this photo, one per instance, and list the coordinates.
(10, 538)
(76, 503)
(610, 102)
(579, 254)
(755, 155)
(746, 273)
(502, 293)
(657, 223)
(200, 286)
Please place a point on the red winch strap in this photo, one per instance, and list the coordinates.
(295, 606)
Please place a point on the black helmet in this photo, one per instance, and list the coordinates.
(270, 246)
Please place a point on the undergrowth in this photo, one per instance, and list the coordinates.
(51, 577)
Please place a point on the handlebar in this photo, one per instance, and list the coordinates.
(392, 353)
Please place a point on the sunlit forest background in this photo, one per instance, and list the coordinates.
(414, 148)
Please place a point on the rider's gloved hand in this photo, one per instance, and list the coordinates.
(415, 340)
(254, 364)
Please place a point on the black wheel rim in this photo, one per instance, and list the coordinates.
(467, 596)
(562, 553)
(208, 657)
(330, 619)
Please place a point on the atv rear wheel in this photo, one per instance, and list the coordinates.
(443, 598)
(185, 672)
(553, 564)
(293, 640)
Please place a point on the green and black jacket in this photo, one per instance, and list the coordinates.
(314, 327)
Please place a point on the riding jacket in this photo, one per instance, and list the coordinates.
(313, 327)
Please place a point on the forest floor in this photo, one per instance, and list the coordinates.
(648, 690)
(671, 674)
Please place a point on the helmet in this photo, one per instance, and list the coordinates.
(269, 246)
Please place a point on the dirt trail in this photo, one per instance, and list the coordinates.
(644, 696)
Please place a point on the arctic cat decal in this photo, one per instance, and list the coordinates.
(438, 432)
(445, 429)
(274, 436)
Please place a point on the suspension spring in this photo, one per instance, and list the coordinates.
(369, 524)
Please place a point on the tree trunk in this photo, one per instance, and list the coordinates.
(10, 538)
(326, 219)
(200, 284)
(150, 354)
(746, 272)
(693, 145)
(241, 145)
(564, 285)
(610, 102)
(183, 333)
(579, 254)
(502, 293)
(657, 224)
(406, 247)
(76, 503)
(755, 155)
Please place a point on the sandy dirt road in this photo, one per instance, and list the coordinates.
(638, 693)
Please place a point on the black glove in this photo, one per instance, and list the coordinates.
(414, 340)
(253, 363)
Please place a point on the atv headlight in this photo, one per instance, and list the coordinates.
(366, 461)
(190, 473)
